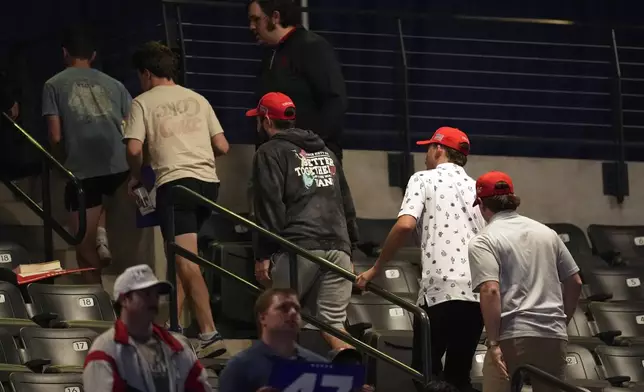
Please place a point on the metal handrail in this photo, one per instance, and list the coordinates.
(618, 123)
(519, 375)
(172, 249)
(45, 212)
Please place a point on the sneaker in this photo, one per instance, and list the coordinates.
(103, 251)
(211, 348)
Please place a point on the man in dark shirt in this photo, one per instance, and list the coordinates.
(301, 194)
(302, 65)
(278, 320)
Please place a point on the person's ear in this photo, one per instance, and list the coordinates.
(275, 17)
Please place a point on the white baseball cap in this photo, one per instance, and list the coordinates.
(138, 277)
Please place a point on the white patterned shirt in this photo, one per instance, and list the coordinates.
(441, 201)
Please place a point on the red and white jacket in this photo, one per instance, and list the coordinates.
(114, 364)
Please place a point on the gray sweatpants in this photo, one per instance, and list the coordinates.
(324, 294)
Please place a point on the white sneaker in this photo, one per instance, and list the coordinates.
(103, 251)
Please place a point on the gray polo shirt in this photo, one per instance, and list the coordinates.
(529, 261)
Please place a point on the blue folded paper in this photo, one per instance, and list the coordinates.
(299, 376)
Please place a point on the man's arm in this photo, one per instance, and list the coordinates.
(569, 275)
(134, 137)
(218, 141)
(234, 377)
(52, 116)
(99, 374)
(323, 72)
(485, 280)
(410, 211)
(268, 187)
(349, 207)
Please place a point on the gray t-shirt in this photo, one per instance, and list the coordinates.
(529, 261)
(152, 353)
(92, 107)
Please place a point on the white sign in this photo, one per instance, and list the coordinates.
(72, 389)
(86, 302)
(479, 358)
(5, 258)
(639, 319)
(396, 312)
(2, 299)
(392, 274)
(570, 360)
(639, 241)
(80, 346)
(306, 383)
(564, 237)
(633, 282)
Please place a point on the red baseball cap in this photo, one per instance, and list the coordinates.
(449, 137)
(493, 183)
(273, 105)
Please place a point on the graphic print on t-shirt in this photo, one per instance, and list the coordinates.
(178, 117)
(441, 201)
(89, 101)
(316, 168)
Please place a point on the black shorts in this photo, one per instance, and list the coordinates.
(94, 188)
(189, 215)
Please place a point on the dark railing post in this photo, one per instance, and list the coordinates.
(48, 233)
(621, 179)
(292, 271)
(407, 158)
(171, 270)
(182, 49)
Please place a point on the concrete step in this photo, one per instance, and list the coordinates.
(17, 213)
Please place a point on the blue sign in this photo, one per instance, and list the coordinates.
(299, 376)
(151, 219)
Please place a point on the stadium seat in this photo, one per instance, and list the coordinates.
(13, 310)
(617, 363)
(580, 364)
(373, 233)
(577, 244)
(398, 345)
(9, 351)
(613, 319)
(378, 313)
(12, 255)
(61, 348)
(33, 382)
(616, 284)
(399, 277)
(618, 244)
(81, 306)
(477, 364)
(579, 326)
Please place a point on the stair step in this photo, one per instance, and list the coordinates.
(30, 237)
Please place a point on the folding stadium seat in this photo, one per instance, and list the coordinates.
(64, 349)
(399, 277)
(613, 319)
(82, 306)
(580, 364)
(398, 345)
(579, 325)
(373, 233)
(33, 382)
(577, 244)
(13, 310)
(621, 364)
(616, 284)
(618, 244)
(370, 311)
(12, 255)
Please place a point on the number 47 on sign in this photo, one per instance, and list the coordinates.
(296, 376)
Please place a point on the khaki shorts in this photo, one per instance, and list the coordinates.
(545, 353)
